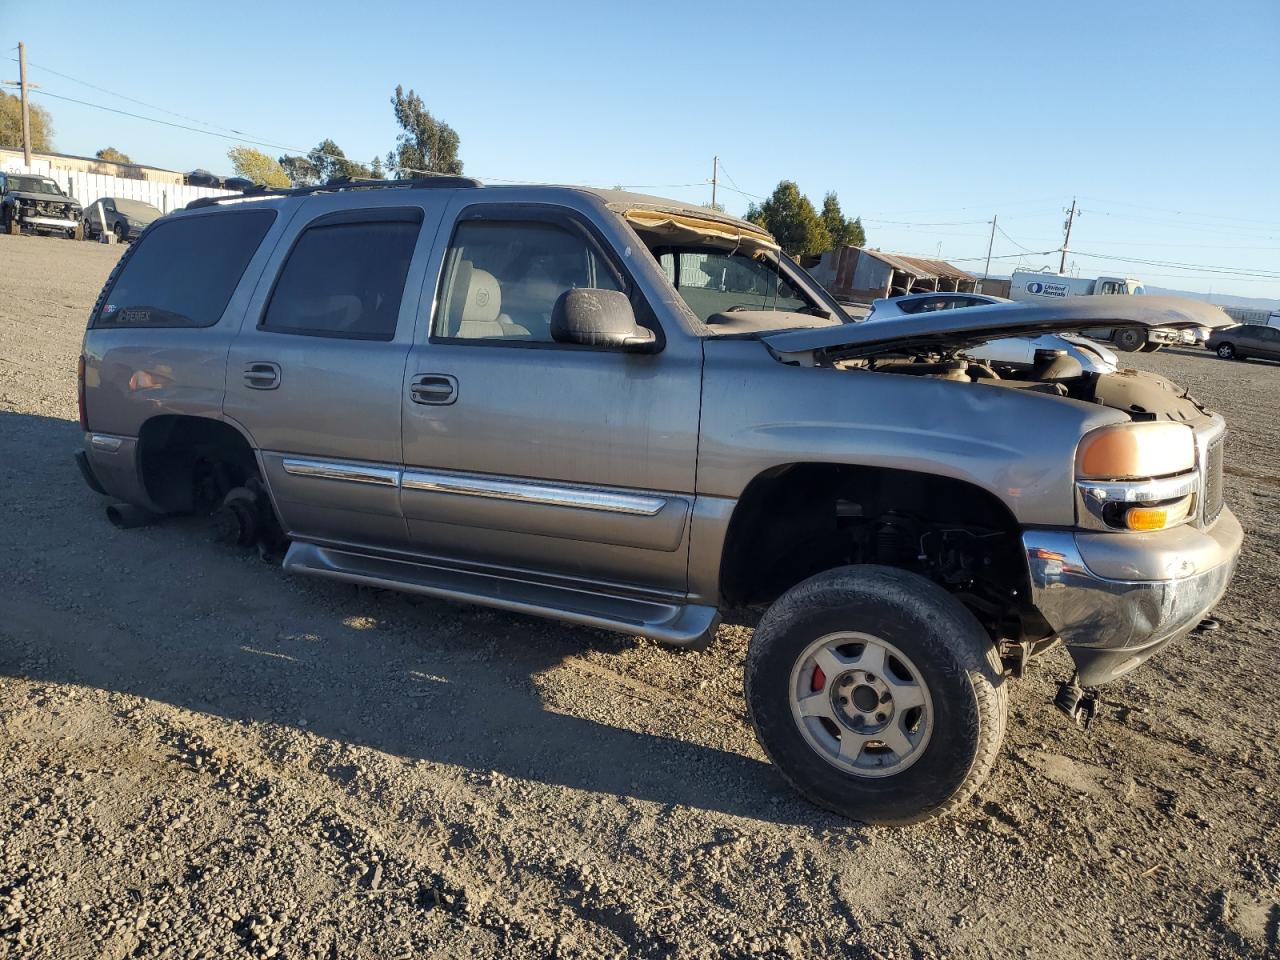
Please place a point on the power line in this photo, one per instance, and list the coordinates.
(169, 123)
(142, 103)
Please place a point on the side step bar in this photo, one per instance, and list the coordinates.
(673, 624)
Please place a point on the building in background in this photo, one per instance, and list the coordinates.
(861, 275)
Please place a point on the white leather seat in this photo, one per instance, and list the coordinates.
(482, 316)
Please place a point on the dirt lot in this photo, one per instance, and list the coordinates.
(202, 757)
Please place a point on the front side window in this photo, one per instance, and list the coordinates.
(502, 279)
(183, 271)
(345, 279)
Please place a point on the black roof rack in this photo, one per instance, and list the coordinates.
(343, 183)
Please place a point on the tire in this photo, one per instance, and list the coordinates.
(1129, 339)
(956, 674)
(121, 232)
(1150, 347)
(1226, 351)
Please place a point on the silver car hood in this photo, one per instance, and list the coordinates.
(947, 330)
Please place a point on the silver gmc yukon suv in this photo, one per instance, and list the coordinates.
(638, 415)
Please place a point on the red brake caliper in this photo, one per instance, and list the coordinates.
(819, 679)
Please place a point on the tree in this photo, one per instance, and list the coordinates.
(425, 145)
(257, 166)
(843, 232)
(324, 162)
(718, 207)
(112, 155)
(11, 125)
(790, 217)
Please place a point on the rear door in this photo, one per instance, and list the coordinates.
(520, 452)
(1266, 342)
(315, 374)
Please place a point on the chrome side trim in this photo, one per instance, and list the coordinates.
(105, 443)
(521, 491)
(377, 476)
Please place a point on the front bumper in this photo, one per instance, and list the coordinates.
(1116, 599)
(51, 223)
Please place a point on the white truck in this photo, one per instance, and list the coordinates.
(1031, 286)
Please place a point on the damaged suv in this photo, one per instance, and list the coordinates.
(638, 415)
(38, 205)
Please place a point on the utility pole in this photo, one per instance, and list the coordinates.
(986, 273)
(1071, 216)
(26, 110)
(715, 175)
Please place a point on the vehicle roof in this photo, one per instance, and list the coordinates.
(617, 200)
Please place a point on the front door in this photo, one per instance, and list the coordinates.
(524, 453)
(315, 373)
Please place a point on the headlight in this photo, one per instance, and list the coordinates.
(1138, 476)
(1136, 451)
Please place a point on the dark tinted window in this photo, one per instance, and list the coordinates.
(344, 280)
(184, 271)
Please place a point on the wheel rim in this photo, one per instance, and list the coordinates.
(1224, 351)
(861, 704)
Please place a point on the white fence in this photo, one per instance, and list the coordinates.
(88, 187)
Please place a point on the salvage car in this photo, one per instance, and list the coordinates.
(125, 218)
(37, 205)
(639, 415)
(1092, 356)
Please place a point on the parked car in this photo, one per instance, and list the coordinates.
(38, 205)
(124, 217)
(1246, 340)
(1093, 357)
(636, 414)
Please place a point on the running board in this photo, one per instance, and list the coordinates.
(673, 624)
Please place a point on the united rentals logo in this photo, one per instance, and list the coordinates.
(1040, 289)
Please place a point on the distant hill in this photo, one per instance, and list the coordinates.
(1221, 299)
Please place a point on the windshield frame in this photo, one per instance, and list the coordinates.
(788, 269)
(20, 182)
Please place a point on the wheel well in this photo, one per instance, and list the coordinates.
(189, 463)
(797, 520)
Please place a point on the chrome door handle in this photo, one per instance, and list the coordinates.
(436, 388)
(262, 375)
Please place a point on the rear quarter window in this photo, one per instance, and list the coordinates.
(182, 272)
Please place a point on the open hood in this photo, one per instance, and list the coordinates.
(947, 331)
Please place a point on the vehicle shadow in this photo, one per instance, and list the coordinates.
(162, 613)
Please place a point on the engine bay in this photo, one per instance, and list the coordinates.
(1142, 395)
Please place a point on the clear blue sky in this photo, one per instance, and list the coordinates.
(1160, 116)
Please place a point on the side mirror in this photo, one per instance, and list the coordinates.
(599, 318)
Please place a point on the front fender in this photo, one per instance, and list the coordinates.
(758, 414)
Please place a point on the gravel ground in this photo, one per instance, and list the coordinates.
(201, 757)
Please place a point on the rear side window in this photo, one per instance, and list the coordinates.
(182, 272)
(345, 278)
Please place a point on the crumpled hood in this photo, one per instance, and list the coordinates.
(41, 197)
(949, 330)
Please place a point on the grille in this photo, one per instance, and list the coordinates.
(1213, 481)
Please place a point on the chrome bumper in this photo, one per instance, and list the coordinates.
(1115, 599)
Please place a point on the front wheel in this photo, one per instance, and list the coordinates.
(876, 694)
(1130, 339)
(1226, 351)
